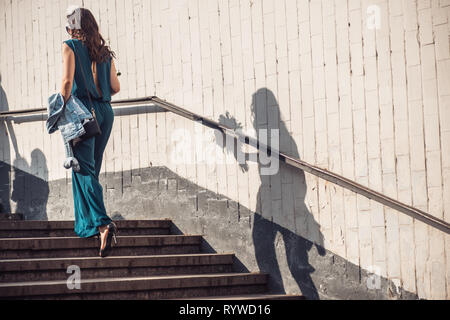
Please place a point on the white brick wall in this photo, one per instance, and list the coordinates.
(370, 104)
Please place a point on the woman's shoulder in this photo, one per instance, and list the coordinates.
(72, 42)
(107, 61)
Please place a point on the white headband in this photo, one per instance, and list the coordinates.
(73, 14)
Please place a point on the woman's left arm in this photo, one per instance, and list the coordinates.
(68, 71)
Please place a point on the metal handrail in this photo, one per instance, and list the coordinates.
(15, 113)
(6, 114)
(319, 172)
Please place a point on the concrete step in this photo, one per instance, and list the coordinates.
(37, 229)
(146, 263)
(47, 269)
(155, 287)
(63, 247)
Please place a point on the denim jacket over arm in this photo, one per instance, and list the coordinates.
(68, 119)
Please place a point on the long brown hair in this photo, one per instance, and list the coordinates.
(90, 35)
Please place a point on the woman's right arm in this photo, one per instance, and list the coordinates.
(115, 84)
(68, 71)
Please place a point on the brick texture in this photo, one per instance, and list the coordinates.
(359, 87)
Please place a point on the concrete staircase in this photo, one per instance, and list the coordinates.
(148, 262)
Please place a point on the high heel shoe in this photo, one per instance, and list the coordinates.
(111, 230)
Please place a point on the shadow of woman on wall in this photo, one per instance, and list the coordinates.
(281, 211)
(28, 191)
(31, 192)
(5, 157)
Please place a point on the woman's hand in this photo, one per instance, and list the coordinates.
(115, 84)
(68, 71)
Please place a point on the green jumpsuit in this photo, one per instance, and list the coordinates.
(90, 212)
